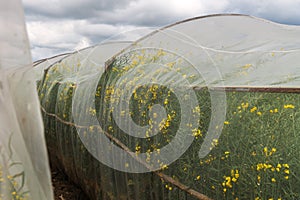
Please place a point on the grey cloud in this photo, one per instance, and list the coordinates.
(40, 52)
(281, 11)
(143, 13)
(115, 12)
(147, 17)
(68, 24)
(52, 37)
(100, 32)
(71, 9)
(155, 12)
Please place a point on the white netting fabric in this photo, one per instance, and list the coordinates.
(191, 103)
(24, 167)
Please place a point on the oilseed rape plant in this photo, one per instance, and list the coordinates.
(255, 157)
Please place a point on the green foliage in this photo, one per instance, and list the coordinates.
(256, 156)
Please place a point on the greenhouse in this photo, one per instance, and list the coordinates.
(205, 108)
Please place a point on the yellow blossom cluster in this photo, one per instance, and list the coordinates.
(230, 180)
(291, 106)
(8, 180)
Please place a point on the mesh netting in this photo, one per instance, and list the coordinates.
(24, 167)
(207, 108)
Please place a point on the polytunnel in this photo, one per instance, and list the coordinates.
(206, 108)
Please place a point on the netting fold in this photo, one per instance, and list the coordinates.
(24, 167)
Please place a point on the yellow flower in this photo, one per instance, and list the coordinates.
(237, 175)
(253, 109)
(273, 169)
(166, 101)
(197, 109)
(289, 106)
(267, 166)
(279, 165)
(189, 125)
(232, 172)
(158, 151)
(164, 124)
(197, 132)
(161, 53)
(247, 66)
(198, 177)
(286, 165)
(215, 142)
(226, 154)
(154, 115)
(287, 171)
(226, 122)
(286, 177)
(137, 148)
(91, 128)
(259, 166)
(110, 128)
(122, 112)
(258, 178)
(273, 150)
(258, 113)
(92, 111)
(277, 169)
(164, 167)
(134, 62)
(245, 105)
(228, 181)
(171, 64)
(273, 180)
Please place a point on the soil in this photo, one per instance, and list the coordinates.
(64, 189)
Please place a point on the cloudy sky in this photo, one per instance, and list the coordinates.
(58, 26)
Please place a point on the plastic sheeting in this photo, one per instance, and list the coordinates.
(24, 167)
(185, 112)
(41, 65)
